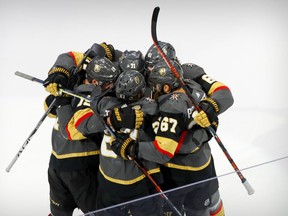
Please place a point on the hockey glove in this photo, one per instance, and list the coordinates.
(60, 101)
(123, 146)
(208, 115)
(47, 104)
(96, 50)
(126, 117)
(57, 77)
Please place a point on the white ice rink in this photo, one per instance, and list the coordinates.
(241, 43)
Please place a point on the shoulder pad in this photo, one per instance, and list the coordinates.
(196, 90)
(174, 102)
(192, 71)
(107, 103)
(84, 88)
(149, 106)
(77, 56)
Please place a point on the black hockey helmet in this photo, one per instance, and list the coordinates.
(162, 74)
(130, 85)
(152, 56)
(101, 69)
(132, 60)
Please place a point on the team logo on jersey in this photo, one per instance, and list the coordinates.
(162, 71)
(97, 68)
(174, 97)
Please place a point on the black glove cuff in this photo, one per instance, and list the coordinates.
(210, 107)
(124, 118)
(133, 150)
(125, 148)
(57, 75)
(62, 101)
(115, 119)
(47, 103)
(59, 70)
(109, 49)
(212, 103)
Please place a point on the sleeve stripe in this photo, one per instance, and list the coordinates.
(221, 88)
(216, 87)
(181, 140)
(162, 150)
(87, 115)
(73, 56)
(68, 133)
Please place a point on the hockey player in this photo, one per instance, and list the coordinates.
(120, 174)
(219, 97)
(120, 180)
(73, 165)
(80, 122)
(180, 145)
(71, 161)
(72, 169)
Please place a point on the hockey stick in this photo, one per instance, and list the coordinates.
(30, 136)
(95, 49)
(244, 181)
(157, 187)
(65, 91)
(111, 131)
(61, 90)
(34, 79)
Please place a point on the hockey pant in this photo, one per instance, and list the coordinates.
(70, 190)
(111, 193)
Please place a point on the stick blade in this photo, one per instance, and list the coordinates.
(154, 23)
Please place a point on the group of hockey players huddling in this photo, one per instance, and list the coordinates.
(153, 121)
